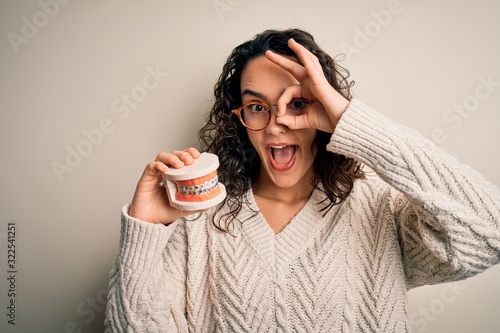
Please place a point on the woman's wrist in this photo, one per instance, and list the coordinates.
(335, 106)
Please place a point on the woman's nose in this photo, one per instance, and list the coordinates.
(273, 127)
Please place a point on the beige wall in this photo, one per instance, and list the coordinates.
(67, 66)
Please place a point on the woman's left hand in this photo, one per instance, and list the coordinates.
(327, 105)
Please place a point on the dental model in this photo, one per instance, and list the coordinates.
(195, 186)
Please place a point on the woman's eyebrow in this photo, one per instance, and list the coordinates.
(253, 93)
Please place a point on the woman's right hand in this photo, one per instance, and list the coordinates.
(150, 202)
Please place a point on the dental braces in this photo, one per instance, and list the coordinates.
(200, 189)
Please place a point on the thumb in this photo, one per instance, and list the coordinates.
(294, 122)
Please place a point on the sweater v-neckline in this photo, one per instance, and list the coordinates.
(277, 249)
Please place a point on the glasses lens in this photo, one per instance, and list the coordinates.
(255, 115)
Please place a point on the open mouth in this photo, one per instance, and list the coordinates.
(282, 156)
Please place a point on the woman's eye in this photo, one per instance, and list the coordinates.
(298, 104)
(257, 108)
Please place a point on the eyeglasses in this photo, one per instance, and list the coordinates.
(256, 115)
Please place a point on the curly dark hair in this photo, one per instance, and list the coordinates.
(225, 136)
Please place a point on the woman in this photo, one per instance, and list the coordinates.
(305, 241)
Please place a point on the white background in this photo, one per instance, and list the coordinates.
(65, 68)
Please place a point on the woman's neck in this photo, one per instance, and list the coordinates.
(279, 205)
(299, 192)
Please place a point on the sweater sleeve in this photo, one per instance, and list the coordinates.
(448, 215)
(146, 288)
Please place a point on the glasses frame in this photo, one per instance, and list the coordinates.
(238, 112)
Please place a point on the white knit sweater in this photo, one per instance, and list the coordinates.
(423, 218)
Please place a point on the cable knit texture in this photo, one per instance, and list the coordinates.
(419, 217)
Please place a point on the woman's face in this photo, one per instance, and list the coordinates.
(287, 155)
